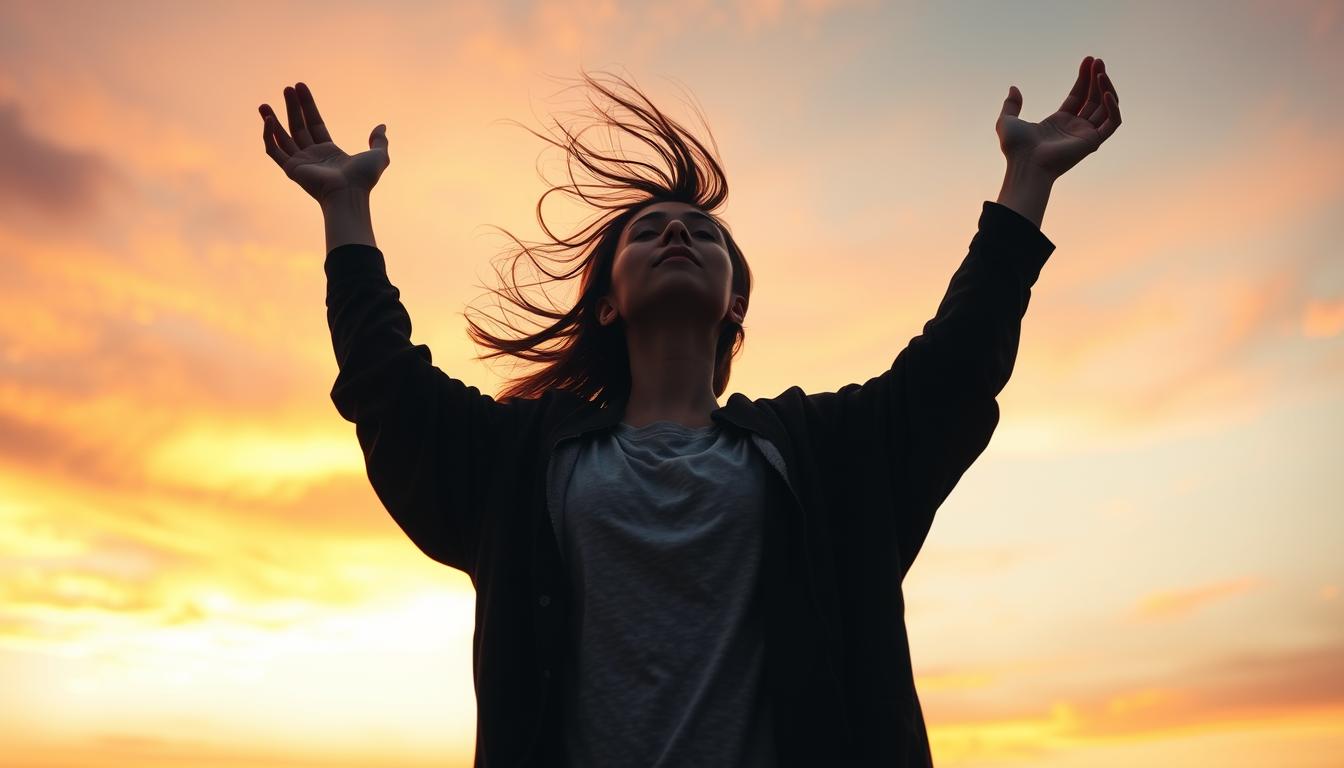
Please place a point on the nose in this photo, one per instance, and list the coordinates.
(675, 230)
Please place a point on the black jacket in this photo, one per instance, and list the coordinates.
(865, 467)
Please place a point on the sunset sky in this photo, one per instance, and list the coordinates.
(1145, 567)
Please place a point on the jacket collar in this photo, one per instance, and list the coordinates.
(584, 416)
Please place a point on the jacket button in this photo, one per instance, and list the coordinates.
(545, 600)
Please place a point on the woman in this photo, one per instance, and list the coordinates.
(662, 580)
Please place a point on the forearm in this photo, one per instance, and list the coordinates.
(1026, 190)
(347, 219)
(970, 344)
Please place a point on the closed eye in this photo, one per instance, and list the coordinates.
(640, 236)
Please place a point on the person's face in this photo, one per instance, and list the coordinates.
(648, 289)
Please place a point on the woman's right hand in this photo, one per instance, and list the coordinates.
(311, 159)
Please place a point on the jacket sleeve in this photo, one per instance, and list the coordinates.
(431, 443)
(924, 420)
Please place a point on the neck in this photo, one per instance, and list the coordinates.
(671, 375)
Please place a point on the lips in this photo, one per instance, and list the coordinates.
(677, 250)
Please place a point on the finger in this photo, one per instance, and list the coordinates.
(297, 128)
(1102, 111)
(275, 146)
(1093, 102)
(378, 138)
(281, 138)
(275, 152)
(1094, 113)
(1097, 115)
(274, 129)
(316, 128)
(1112, 117)
(1074, 101)
(1012, 106)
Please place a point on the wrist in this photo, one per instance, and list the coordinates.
(1026, 189)
(1027, 174)
(347, 219)
(342, 200)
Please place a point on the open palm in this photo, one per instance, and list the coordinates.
(311, 158)
(1088, 116)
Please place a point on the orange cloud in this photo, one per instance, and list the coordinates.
(931, 682)
(1322, 319)
(1183, 602)
(1231, 689)
(252, 460)
(1298, 688)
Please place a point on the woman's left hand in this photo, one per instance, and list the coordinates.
(1089, 116)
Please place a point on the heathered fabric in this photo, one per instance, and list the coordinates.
(661, 530)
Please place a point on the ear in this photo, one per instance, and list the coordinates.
(737, 309)
(606, 311)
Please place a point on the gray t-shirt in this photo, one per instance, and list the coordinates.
(661, 528)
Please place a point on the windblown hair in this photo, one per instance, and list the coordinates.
(581, 355)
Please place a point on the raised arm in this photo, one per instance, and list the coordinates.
(434, 448)
(925, 420)
(919, 425)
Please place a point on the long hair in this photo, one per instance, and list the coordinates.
(580, 354)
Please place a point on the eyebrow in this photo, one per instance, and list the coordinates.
(663, 215)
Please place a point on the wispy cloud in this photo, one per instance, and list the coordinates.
(1305, 686)
(1323, 319)
(1180, 603)
(41, 178)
